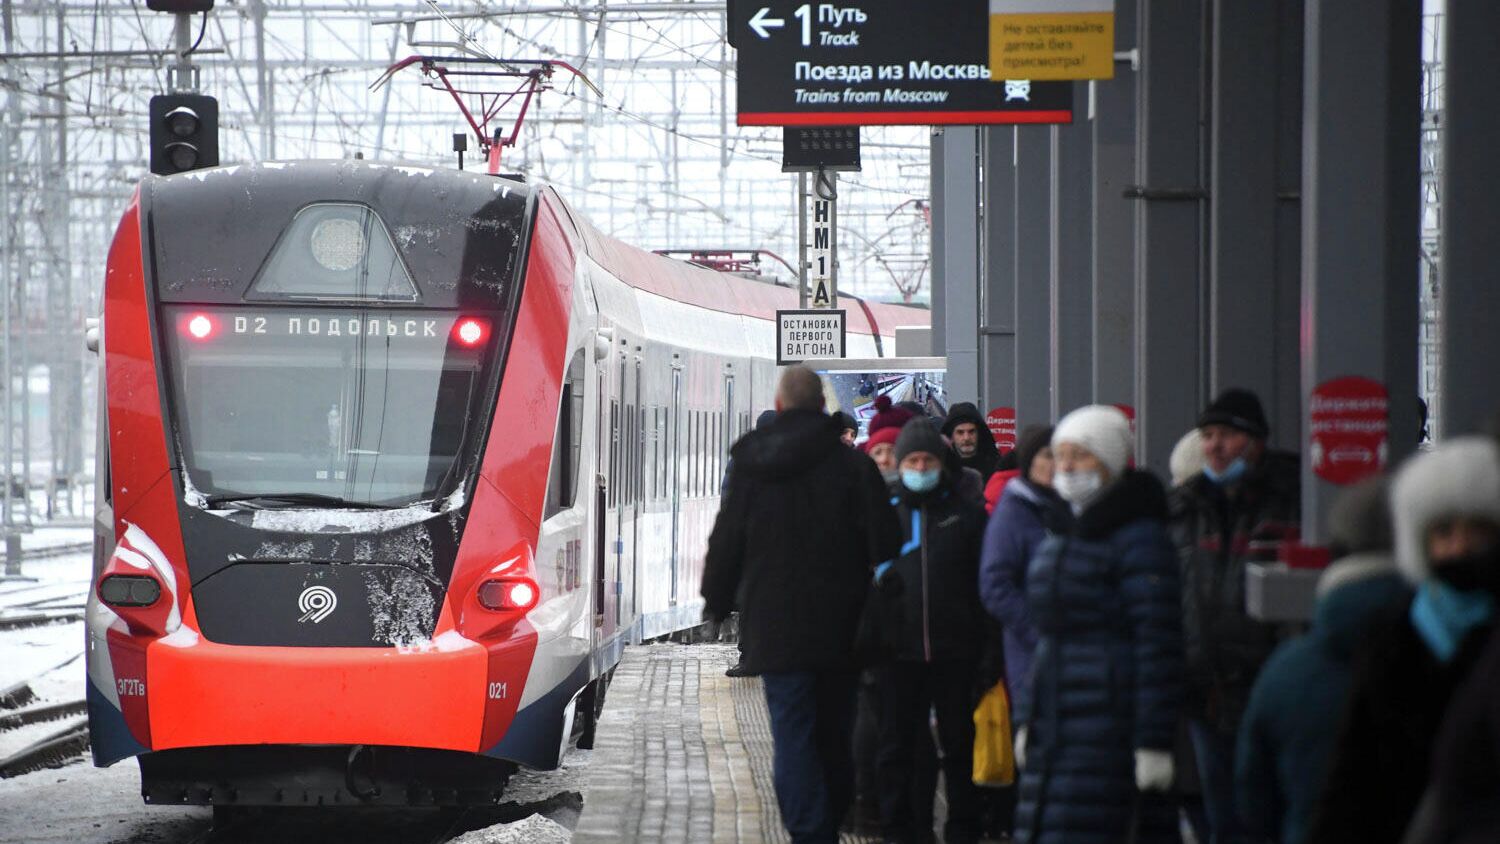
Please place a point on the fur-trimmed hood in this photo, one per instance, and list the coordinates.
(1136, 495)
(1461, 477)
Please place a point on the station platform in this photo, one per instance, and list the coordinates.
(682, 753)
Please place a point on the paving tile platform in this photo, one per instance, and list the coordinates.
(682, 753)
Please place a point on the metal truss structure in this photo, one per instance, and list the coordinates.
(1429, 382)
(655, 159)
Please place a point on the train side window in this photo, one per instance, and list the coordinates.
(567, 444)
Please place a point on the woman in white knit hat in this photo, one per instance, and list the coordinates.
(1101, 716)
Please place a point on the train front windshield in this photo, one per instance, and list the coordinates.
(332, 334)
(365, 406)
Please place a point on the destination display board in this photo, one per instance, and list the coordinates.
(878, 62)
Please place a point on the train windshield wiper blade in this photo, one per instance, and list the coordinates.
(295, 498)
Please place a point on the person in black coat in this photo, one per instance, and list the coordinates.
(934, 632)
(1101, 715)
(972, 440)
(1244, 503)
(1445, 505)
(803, 521)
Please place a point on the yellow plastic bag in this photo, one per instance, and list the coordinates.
(994, 756)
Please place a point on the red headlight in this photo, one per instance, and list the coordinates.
(470, 331)
(512, 594)
(200, 326)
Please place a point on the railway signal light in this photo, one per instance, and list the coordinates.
(184, 133)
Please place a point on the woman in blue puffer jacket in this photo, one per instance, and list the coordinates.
(1096, 745)
(1027, 509)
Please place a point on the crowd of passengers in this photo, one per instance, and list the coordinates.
(890, 593)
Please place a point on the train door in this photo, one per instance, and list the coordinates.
(728, 435)
(638, 491)
(623, 484)
(674, 450)
(603, 451)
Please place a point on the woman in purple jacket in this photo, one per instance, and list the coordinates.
(1028, 509)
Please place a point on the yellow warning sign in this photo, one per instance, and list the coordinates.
(1061, 39)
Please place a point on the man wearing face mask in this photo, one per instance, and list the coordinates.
(1239, 509)
(1445, 506)
(934, 630)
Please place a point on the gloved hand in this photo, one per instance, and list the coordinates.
(888, 580)
(1153, 770)
(1019, 747)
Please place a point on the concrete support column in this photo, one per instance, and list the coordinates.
(1284, 410)
(1359, 223)
(1169, 363)
(1471, 217)
(1255, 264)
(1242, 206)
(1071, 261)
(955, 257)
(1113, 126)
(997, 333)
(1033, 275)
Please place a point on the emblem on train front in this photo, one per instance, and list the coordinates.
(316, 603)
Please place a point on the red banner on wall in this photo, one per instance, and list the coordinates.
(1002, 424)
(1349, 428)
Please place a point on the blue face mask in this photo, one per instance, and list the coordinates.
(1443, 616)
(1233, 472)
(920, 481)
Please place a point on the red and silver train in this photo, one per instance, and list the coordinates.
(393, 463)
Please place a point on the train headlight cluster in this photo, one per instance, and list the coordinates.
(129, 590)
(516, 594)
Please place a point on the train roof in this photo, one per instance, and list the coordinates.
(718, 291)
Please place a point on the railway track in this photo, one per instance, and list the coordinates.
(20, 707)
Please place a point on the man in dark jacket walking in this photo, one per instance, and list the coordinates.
(972, 439)
(933, 628)
(1239, 509)
(803, 521)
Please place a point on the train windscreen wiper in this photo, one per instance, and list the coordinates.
(261, 499)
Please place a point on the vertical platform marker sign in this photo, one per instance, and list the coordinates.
(1052, 39)
(821, 293)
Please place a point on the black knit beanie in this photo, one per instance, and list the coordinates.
(920, 435)
(1239, 409)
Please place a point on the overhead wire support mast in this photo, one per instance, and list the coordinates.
(533, 77)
